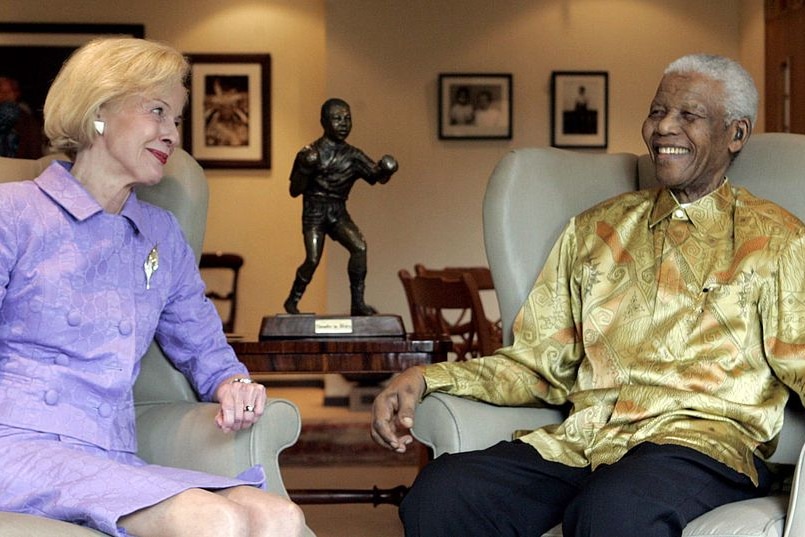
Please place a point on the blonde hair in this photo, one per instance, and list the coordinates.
(101, 71)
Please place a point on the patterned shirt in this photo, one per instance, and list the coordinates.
(657, 322)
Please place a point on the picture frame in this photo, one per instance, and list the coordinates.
(33, 54)
(228, 118)
(475, 106)
(580, 109)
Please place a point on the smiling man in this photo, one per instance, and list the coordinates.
(676, 399)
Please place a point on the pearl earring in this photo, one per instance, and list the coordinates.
(99, 126)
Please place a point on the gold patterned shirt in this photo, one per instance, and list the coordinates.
(657, 322)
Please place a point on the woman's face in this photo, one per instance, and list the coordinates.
(141, 133)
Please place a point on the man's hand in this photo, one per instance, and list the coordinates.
(393, 410)
(242, 404)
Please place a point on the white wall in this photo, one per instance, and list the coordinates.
(384, 58)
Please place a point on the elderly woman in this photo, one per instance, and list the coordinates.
(89, 275)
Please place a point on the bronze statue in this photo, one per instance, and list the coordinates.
(323, 173)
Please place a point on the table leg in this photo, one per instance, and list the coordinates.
(376, 496)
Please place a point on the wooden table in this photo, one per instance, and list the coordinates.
(350, 356)
(341, 354)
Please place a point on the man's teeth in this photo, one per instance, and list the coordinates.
(673, 151)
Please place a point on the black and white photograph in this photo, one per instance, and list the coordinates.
(475, 106)
(228, 120)
(579, 103)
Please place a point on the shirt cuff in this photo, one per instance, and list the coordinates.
(437, 379)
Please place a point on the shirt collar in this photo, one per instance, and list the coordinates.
(701, 213)
(65, 190)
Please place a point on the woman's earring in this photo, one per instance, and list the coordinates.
(99, 126)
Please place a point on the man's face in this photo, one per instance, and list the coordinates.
(686, 135)
(337, 122)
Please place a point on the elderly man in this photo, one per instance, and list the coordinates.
(670, 321)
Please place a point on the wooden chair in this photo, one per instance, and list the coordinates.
(482, 275)
(437, 304)
(483, 280)
(223, 262)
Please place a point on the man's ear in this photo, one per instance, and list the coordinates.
(740, 131)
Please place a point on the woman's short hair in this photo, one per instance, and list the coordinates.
(101, 71)
(740, 92)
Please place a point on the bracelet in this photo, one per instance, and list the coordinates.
(243, 380)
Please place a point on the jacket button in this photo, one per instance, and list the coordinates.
(74, 318)
(51, 397)
(124, 327)
(105, 410)
(62, 359)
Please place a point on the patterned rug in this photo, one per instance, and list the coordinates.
(347, 443)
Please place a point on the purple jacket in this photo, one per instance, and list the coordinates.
(77, 311)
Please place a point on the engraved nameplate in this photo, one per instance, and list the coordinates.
(332, 326)
(286, 326)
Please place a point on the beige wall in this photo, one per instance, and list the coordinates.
(384, 57)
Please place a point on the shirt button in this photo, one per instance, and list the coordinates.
(51, 397)
(124, 327)
(679, 214)
(105, 410)
(62, 359)
(74, 318)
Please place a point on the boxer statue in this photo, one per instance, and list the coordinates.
(323, 173)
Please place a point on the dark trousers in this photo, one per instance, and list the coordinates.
(510, 490)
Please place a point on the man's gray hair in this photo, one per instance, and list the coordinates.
(741, 97)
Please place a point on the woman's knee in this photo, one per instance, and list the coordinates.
(283, 518)
(194, 512)
(268, 514)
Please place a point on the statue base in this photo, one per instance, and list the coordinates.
(308, 325)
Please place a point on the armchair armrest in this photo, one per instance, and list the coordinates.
(449, 424)
(184, 435)
(795, 521)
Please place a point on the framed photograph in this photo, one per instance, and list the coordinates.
(228, 120)
(579, 109)
(475, 106)
(33, 54)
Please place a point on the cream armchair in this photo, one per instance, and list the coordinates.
(174, 429)
(555, 185)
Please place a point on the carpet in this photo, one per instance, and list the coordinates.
(344, 443)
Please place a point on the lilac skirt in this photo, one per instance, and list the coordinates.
(66, 479)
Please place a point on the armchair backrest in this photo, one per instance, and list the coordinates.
(532, 194)
(183, 191)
